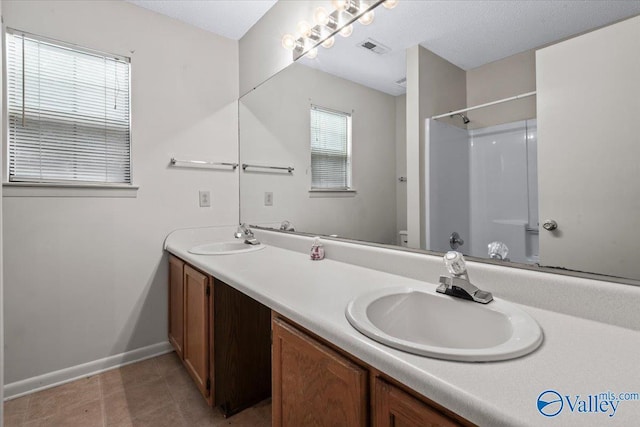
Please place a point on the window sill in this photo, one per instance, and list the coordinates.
(332, 193)
(35, 189)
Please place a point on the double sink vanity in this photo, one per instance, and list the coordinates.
(349, 341)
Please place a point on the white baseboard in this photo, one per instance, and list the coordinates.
(56, 378)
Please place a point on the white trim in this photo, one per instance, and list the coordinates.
(36, 189)
(332, 193)
(63, 376)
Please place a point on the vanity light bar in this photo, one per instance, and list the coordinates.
(337, 22)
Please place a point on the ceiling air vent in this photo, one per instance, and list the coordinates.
(374, 46)
(402, 82)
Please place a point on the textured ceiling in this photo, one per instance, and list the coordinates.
(228, 18)
(467, 33)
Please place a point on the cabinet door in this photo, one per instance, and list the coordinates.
(312, 384)
(588, 94)
(395, 408)
(196, 327)
(176, 304)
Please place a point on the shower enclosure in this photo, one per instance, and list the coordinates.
(482, 184)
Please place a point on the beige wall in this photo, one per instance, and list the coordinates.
(501, 79)
(275, 131)
(86, 277)
(434, 85)
(1, 268)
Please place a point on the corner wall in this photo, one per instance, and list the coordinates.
(86, 277)
(1, 261)
(434, 85)
(507, 77)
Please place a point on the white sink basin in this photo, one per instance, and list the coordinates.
(225, 248)
(436, 325)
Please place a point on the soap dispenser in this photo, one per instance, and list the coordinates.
(317, 250)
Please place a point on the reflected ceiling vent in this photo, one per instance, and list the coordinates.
(374, 46)
(402, 82)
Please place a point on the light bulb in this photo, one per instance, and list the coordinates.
(312, 53)
(288, 42)
(346, 31)
(328, 42)
(340, 4)
(304, 28)
(321, 16)
(390, 4)
(367, 18)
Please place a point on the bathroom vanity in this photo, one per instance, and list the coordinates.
(314, 344)
(224, 339)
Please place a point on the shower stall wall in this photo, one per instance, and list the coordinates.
(482, 184)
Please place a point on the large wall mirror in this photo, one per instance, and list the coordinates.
(326, 143)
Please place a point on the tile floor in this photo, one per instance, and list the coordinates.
(156, 392)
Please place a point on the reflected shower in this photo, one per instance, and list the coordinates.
(465, 119)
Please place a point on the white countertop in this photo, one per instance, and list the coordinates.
(578, 356)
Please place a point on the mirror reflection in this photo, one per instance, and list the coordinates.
(412, 138)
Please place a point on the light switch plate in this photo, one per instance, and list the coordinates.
(205, 198)
(268, 198)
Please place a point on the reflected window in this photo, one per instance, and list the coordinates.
(330, 149)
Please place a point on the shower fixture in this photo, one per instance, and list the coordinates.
(465, 119)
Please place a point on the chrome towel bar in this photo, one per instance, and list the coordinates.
(286, 168)
(203, 163)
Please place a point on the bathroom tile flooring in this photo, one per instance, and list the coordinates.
(156, 392)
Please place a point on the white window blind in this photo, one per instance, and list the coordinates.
(68, 113)
(330, 149)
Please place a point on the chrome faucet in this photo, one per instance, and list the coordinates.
(287, 226)
(458, 285)
(243, 232)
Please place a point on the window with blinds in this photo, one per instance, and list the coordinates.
(68, 113)
(330, 149)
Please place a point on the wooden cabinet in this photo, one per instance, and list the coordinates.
(318, 384)
(222, 337)
(176, 305)
(196, 328)
(313, 385)
(395, 408)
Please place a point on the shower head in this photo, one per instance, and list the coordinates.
(465, 119)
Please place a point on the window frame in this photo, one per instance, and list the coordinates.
(66, 188)
(349, 188)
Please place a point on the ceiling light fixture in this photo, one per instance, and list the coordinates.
(328, 42)
(390, 4)
(327, 25)
(367, 18)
